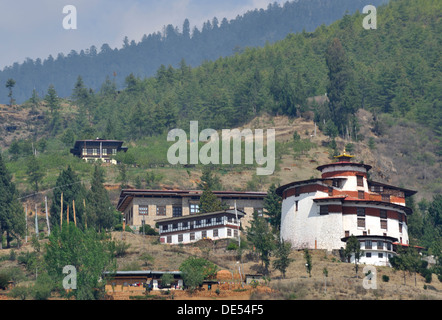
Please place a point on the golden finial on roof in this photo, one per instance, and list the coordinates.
(344, 156)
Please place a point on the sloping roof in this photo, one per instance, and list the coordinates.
(342, 163)
(201, 215)
(127, 195)
(344, 199)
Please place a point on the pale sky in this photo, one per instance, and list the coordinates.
(34, 28)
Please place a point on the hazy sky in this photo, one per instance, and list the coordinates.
(34, 28)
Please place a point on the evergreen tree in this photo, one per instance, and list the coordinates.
(74, 192)
(272, 205)
(209, 179)
(35, 172)
(9, 85)
(209, 202)
(282, 259)
(98, 206)
(341, 90)
(353, 248)
(260, 235)
(11, 211)
(52, 100)
(89, 252)
(308, 262)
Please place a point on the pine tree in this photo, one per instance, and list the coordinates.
(260, 235)
(9, 85)
(98, 206)
(35, 172)
(209, 202)
(272, 204)
(341, 90)
(52, 99)
(11, 211)
(74, 192)
(282, 253)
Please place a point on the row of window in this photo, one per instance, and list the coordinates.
(161, 211)
(215, 234)
(96, 152)
(380, 255)
(197, 224)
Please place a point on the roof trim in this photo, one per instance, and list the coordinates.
(340, 163)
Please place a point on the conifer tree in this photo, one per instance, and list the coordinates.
(74, 192)
(11, 211)
(282, 253)
(272, 204)
(341, 90)
(98, 206)
(262, 238)
(209, 202)
(35, 172)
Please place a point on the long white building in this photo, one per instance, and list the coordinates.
(323, 213)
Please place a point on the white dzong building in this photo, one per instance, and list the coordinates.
(323, 213)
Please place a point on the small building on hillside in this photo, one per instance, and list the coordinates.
(148, 206)
(98, 149)
(323, 213)
(187, 229)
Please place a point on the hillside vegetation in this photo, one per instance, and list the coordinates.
(216, 38)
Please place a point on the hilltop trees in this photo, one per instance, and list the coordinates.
(341, 91)
(9, 85)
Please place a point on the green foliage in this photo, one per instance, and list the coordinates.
(166, 280)
(11, 210)
(261, 237)
(209, 201)
(98, 206)
(196, 270)
(282, 260)
(43, 287)
(308, 262)
(272, 205)
(74, 192)
(353, 249)
(91, 253)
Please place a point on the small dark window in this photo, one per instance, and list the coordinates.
(386, 197)
(323, 210)
(361, 195)
(383, 214)
(361, 222)
(177, 211)
(360, 181)
(161, 210)
(360, 212)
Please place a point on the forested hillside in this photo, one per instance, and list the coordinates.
(392, 70)
(218, 37)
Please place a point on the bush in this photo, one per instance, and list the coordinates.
(232, 246)
(43, 287)
(148, 230)
(4, 279)
(385, 278)
(19, 292)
